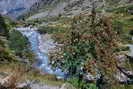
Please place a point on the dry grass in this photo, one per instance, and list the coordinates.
(16, 73)
(45, 78)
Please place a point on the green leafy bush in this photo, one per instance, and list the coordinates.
(50, 30)
(17, 41)
(3, 27)
(121, 9)
(81, 84)
(20, 45)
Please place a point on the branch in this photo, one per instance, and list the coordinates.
(124, 72)
(128, 82)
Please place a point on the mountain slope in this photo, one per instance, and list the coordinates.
(15, 8)
(62, 7)
(44, 8)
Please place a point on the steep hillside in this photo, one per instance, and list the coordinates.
(61, 7)
(44, 8)
(15, 8)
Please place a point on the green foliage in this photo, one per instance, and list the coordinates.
(6, 54)
(17, 41)
(82, 84)
(124, 87)
(118, 27)
(52, 29)
(122, 24)
(20, 45)
(121, 9)
(3, 27)
(73, 81)
(47, 29)
(75, 56)
(93, 86)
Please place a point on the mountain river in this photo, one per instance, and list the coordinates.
(41, 49)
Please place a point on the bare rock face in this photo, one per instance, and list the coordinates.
(15, 8)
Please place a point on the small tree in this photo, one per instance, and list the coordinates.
(3, 28)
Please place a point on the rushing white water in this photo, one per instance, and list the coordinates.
(131, 50)
(40, 48)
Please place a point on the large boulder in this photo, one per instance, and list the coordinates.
(67, 86)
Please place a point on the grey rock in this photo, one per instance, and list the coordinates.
(67, 86)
